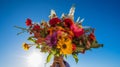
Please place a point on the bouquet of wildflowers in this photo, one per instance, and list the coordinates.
(60, 36)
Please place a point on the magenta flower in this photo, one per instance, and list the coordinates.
(77, 31)
(51, 40)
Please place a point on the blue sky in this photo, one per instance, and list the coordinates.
(103, 15)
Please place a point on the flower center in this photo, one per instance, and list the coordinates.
(64, 46)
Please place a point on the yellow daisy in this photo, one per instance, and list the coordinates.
(25, 46)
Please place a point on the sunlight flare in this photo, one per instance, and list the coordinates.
(35, 59)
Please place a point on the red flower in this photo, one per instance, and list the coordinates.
(92, 37)
(77, 31)
(73, 47)
(28, 22)
(68, 22)
(54, 21)
(36, 27)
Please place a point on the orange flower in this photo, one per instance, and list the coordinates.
(71, 33)
(59, 28)
(50, 30)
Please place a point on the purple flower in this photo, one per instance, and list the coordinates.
(51, 40)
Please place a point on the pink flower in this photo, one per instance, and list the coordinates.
(28, 22)
(77, 31)
(59, 32)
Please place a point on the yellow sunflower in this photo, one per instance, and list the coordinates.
(25, 46)
(65, 45)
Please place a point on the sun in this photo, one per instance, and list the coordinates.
(35, 59)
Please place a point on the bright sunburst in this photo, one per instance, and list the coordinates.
(35, 59)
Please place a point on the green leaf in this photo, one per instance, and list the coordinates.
(75, 57)
(49, 57)
(65, 56)
(96, 45)
(20, 28)
(32, 39)
(38, 46)
(79, 49)
(20, 32)
(23, 30)
(53, 51)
